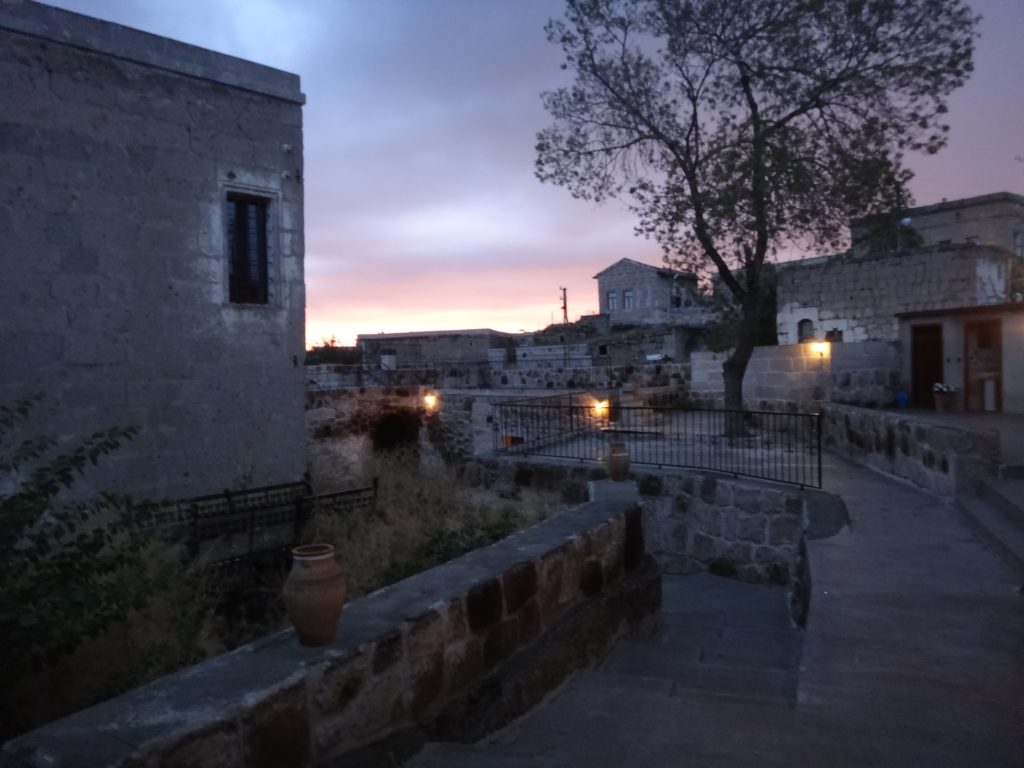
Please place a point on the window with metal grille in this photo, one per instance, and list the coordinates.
(247, 241)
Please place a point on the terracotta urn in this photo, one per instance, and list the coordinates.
(618, 461)
(314, 593)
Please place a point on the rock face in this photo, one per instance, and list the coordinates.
(125, 157)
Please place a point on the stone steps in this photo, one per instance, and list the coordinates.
(720, 638)
(997, 517)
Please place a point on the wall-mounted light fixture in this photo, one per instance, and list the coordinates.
(821, 348)
(600, 408)
(430, 401)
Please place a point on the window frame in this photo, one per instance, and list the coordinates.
(628, 299)
(248, 263)
(270, 201)
(612, 300)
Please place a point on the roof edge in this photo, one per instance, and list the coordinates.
(91, 34)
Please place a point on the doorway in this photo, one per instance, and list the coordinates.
(925, 362)
(983, 365)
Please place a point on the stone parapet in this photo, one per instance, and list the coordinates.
(941, 459)
(422, 654)
(712, 523)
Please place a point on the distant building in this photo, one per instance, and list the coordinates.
(633, 293)
(996, 220)
(151, 242)
(433, 349)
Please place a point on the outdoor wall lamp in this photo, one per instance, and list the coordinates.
(430, 401)
(600, 408)
(820, 348)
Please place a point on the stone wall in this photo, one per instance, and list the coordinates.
(862, 296)
(710, 523)
(526, 377)
(795, 376)
(941, 459)
(456, 650)
(777, 378)
(118, 150)
(865, 374)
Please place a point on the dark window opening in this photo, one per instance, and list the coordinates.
(247, 238)
(805, 331)
(677, 300)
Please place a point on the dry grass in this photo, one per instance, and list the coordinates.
(424, 517)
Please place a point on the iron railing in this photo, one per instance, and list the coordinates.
(784, 447)
(235, 525)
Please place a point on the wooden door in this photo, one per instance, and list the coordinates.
(983, 365)
(925, 363)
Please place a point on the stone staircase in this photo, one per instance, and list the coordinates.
(720, 638)
(996, 514)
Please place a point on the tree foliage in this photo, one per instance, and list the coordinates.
(63, 564)
(736, 128)
(328, 351)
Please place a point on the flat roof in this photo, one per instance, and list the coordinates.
(423, 334)
(978, 309)
(91, 34)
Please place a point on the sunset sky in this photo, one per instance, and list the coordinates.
(422, 211)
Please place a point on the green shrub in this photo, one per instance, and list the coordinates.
(68, 569)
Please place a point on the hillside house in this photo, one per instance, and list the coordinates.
(633, 293)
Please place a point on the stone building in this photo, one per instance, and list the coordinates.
(633, 293)
(977, 350)
(853, 298)
(996, 219)
(151, 237)
(432, 349)
(948, 291)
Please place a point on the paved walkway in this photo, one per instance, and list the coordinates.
(913, 656)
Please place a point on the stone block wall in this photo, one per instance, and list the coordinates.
(710, 523)
(434, 648)
(794, 376)
(118, 150)
(862, 296)
(941, 459)
(865, 374)
(777, 378)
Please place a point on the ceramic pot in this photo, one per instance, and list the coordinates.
(314, 593)
(618, 461)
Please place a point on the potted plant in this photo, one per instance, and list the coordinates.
(944, 395)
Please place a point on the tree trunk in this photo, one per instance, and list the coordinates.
(734, 369)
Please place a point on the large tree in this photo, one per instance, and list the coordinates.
(736, 128)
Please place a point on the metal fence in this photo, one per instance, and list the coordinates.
(784, 447)
(235, 525)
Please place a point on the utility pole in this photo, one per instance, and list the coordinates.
(565, 329)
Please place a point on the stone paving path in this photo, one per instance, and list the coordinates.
(913, 656)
